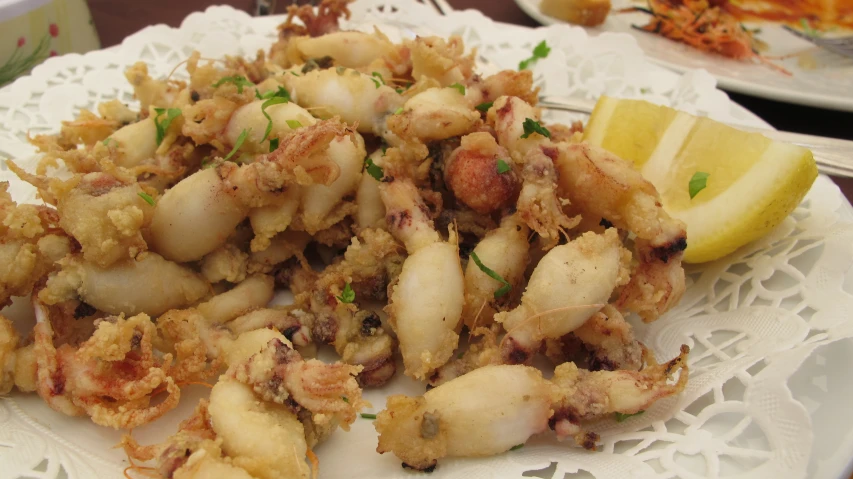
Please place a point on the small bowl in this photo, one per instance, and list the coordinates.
(33, 30)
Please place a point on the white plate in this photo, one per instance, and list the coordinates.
(828, 85)
(752, 319)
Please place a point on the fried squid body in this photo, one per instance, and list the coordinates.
(263, 417)
(426, 303)
(571, 283)
(482, 413)
(492, 409)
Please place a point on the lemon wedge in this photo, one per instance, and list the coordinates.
(751, 183)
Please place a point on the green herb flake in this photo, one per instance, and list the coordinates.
(373, 169)
(348, 295)
(377, 79)
(163, 125)
(368, 416)
(621, 417)
(271, 98)
(459, 87)
(490, 273)
(532, 126)
(294, 73)
(516, 447)
(293, 124)
(238, 80)
(238, 144)
(484, 107)
(697, 183)
(539, 51)
(145, 196)
(341, 70)
(503, 166)
(109, 140)
(273, 144)
(346, 399)
(398, 111)
(400, 90)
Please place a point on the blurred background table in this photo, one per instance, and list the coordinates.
(115, 19)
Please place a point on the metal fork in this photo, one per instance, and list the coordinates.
(833, 156)
(840, 45)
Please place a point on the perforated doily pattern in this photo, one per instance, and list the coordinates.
(751, 319)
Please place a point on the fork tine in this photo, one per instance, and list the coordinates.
(840, 45)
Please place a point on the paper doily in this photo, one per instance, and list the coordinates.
(751, 319)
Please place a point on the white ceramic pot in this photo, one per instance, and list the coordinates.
(32, 30)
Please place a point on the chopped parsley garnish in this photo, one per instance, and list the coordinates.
(273, 144)
(294, 73)
(281, 92)
(540, 51)
(145, 196)
(697, 183)
(238, 80)
(108, 140)
(163, 125)
(348, 295)
(378, 80)
(238, 144)
(503, 166)
(532, 126)
(490, 273)
(368, 416)
(516, 447)
(484, 107)
(373, 169)
(277, 100)
(293, 124)
(459, 87)
(621, 417)
(346, 399)
(398, 111)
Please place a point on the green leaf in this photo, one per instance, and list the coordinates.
(239, 143)
(271, 98)
(293, 124)
(490, 273)
(398, 111)
(539, 51)
(378, 80)
(484, 107)
(238, 80)
(273, 144)
(373, 169)
(162, 126)
(368, 416)
(697, 183)
(145, 196)
(346, 399)
(503, 166)
(621, 417)
(294, 73)
(516, 447)
(532, 126)
(348, 295)
(108, 140)
(459, 87)
(281, 92)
